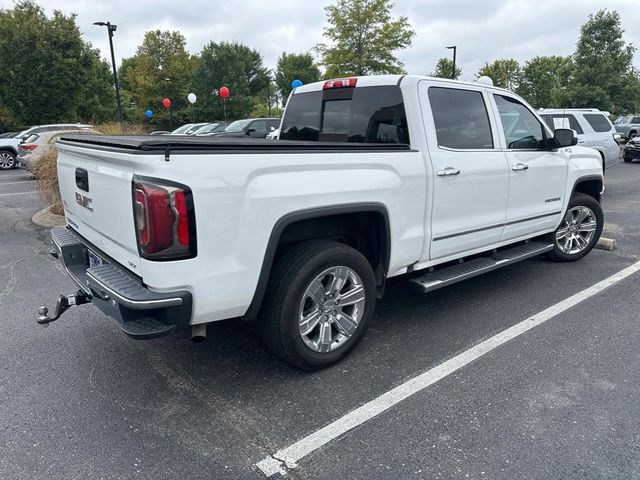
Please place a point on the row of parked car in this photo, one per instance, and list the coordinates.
(25, 148)
(248, 127)
(593, 127)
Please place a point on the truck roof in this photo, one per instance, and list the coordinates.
(383, 80)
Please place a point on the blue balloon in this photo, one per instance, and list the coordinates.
(149, 114)
(296, 83)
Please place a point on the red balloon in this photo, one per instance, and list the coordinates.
(224, 92)
(166, 102)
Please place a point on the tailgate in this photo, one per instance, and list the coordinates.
(95, 185)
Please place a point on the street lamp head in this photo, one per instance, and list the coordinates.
(112, 28)
(454, 46)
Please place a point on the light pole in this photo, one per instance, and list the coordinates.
(112, 28)
(453, 70)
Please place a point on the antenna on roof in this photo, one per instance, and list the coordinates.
(484, 80)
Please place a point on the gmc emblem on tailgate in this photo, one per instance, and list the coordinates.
(84, 201)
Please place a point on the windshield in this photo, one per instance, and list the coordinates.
(206, 129)
(182, 129)
(621, 120)
(237, 126)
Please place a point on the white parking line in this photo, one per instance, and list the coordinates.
(17, 193)
(15, 183)
(287, 457)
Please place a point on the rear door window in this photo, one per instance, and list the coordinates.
(556, 121)
(635, 120)
(460, 118)
(360, 114)
(598, 122)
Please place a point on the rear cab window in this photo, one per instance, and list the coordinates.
(352, 114)
(598, 122)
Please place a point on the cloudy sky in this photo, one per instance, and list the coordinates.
(483, 30)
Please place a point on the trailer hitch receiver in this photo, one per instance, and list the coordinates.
(63, 304)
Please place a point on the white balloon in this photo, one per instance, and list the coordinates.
(192, 98)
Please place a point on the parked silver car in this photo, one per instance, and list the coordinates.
(31, 150)
(628, 127)
(593, 127)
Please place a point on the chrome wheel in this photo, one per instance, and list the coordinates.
(331, 309)
(7, 161)
(577, 230)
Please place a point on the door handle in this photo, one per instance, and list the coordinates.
(520, 166)
(448, 171)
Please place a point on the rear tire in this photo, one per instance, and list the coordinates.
(579, 230)
(320, 299)
(7, 160)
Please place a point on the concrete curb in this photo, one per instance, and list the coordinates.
(606, 244)
(44, 218)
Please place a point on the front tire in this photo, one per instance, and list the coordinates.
(7, 160)
(320, 299)
(579, 230)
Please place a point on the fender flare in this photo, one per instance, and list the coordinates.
(586, 178)
(319, 212)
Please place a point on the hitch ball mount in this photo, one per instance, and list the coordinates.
(63, 304)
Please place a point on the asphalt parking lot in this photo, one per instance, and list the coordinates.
(80, 400)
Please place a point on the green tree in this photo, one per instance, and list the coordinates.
(505, 73)
(96, 102)
(363, 38)
(603, 61)
(48, 74)
(162, 68)
(444, 68)
(235, 66)
(544, 80)
(292, 66)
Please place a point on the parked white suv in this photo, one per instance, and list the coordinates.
(372, 177)
(593, 127)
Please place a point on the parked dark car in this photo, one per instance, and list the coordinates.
(631, 150)
(250, 127)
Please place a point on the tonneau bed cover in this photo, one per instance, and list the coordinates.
(175, 142)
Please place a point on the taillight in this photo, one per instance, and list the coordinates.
(340, 83)
(164, 220)
(28, 147)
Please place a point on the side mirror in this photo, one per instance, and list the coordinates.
(565, 137)
(249, 131)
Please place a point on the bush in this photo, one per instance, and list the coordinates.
(47, 177)
(115, 128)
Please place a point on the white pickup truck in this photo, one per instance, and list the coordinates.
(372, 177)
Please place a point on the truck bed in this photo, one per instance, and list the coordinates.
(151, 143)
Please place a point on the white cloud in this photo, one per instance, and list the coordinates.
(483, 30)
